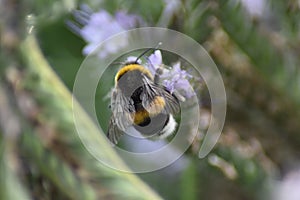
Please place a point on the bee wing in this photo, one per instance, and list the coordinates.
(121, 118)
(113, 133)
(153, 90)
(121, 108)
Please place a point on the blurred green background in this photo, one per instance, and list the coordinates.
(255, 45)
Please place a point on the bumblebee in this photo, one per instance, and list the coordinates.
(139, 101)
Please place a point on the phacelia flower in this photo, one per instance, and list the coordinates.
(178, 80)
(94, 28)
(173, 78)
(154, 61)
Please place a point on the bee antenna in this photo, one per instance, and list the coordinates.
(146, 51)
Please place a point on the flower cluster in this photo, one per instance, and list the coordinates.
(94, 28)
(173, 78)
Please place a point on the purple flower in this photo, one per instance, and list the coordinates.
(128, 21)
(97, 27)
(174, 78)
(154, 61)
(178, 80)
(100, 26)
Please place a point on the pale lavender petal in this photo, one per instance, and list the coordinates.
(89, 48)
(100, 18)
(177, 79)
(169, 85)
(101, 25)
(127, 21)
(155, 58)
(154, 61)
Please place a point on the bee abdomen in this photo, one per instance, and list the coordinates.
(150, 126)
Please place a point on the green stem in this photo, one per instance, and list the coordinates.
(56, 107)
(55, 169)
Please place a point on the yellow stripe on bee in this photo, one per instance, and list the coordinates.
(140, 116)
(132, 67)
(154, 108)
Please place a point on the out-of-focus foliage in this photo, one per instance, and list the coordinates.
(257, 54)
